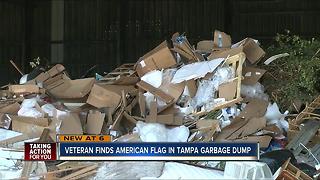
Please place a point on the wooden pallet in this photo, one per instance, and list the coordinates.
(235, 62)
(290, 172)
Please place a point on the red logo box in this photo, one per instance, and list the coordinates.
(40, 151)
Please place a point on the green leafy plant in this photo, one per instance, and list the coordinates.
(295, 77)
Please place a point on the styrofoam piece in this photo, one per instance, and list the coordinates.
(152, 132)
(274, 116)
(30, 112)
(29, 103)
(49, 109)
(155, 132)
(9, 169)
(23, 79)
(178, 134)
(196, 70)
(153, 78)
(174, 170)
(247, 170)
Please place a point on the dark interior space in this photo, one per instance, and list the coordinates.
(107, 33)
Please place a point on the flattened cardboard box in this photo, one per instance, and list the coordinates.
(107, 95)
(155, 91)
(255, 108)
(159, 58)
(221, 39)
(253, 51)
(263, 141)
(70, 89)
(21, 89)
(71, 124)
(228, 90)
(95, 121)
(11, 108)
(33, 127)
(225, 53)
(252, 75)
(205, 45)
(55, 70)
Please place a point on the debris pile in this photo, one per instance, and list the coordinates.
(174, 93)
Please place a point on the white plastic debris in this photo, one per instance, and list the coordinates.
(205, 95)
(28, 109)
(153, 78)
(150, 98)
(155, 132)
(196, 70)
(29, 103)
(23, 79)
(254, 91)
(272, 58)
(178, 134)
(52, 111)
(49, 109)
(274, 116)
(178, 171)
(247, 170)
(30, 112)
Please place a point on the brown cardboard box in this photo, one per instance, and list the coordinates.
(155, 91)
(184, 48)
(228, 90)
(253, 51)
(32, 127)
(173, 90)
(31, 120)
(158, 58)
(207, 124)
(221, 39)
(107, 95)
(72, 89)
(10, 108)
(192, 87)
(70, 124)
(21, 89)
(253, 125)
(252, 75)
(134, 137)
(205, 46)
(95, 121)
(263, 141)
(55, 70)
(225, 53)
(168, 119)
(255, 108)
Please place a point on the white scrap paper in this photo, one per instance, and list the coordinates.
(196, 70)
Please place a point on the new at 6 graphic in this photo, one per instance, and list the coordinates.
(40, 151)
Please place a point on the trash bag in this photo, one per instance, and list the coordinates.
(275, 159)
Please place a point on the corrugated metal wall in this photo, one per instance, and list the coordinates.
(111, 32)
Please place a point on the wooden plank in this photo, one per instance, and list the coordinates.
(157, 92)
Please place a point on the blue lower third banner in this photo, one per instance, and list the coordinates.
(158, 151)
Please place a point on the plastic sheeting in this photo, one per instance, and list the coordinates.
(155, 132)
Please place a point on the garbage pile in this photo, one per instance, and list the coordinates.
(174, 93)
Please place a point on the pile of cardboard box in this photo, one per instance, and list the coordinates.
(174, 85)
